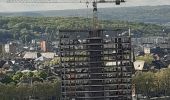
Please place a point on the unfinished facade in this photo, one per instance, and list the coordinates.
(95, 65)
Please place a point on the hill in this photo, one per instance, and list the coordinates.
(21, 28)
(147, 14)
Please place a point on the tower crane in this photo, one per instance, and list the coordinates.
(89, 85)
(93, 2)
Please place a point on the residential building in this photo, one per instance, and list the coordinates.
(49, 55)
(31, 55)
(139, 65)
(45, 46)
(147, 50)
(10, 48)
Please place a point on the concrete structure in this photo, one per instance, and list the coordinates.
(95, 65)
(49, 55)
(1, 48)
(35, 55)
(10, 48)
(139, 65)
(147, 50)
(31, 55)
(43, 46)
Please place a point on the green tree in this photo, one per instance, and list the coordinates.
(41, 74)
(17, 76)
(7, 79)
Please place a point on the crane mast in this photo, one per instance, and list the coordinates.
(95, 9)
(95, 16)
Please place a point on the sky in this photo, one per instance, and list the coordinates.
(19, 7)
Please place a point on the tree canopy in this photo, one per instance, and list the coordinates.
(27, 28)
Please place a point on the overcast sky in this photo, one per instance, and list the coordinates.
(9, 7)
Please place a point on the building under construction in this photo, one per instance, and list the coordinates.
(95, 65)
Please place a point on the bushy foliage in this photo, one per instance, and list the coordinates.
(153, 83)
(41, 91)
(147, 58)
(27, 28)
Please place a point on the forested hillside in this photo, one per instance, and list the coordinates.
(147, 14)
(33, 27)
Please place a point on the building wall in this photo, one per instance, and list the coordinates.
(10, 48)
(168, 41)
(98, 69)
(147, 50)
(1, 48)
(43, 46)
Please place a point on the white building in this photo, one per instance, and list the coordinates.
(10, 48)
(147, 50)
(139, 65)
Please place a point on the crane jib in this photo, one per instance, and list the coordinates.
(117, 2)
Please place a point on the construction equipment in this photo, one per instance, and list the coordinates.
(93, 2)
(98, 64)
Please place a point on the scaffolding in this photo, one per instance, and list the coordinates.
(95, 65)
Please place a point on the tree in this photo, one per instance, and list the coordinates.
(17, 76)
(23, 91)
(30, 74)
(144, 83)
(7, 79)
(147, 58)
(41, 74)
(22, 27)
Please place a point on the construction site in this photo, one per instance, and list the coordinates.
(95, 63)
(96, 66)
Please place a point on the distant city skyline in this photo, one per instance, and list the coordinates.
(10, 7)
